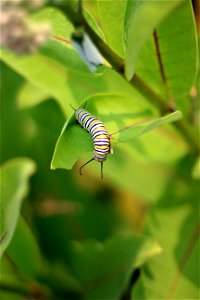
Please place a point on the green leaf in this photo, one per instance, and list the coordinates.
(74, 140)
(29, 95)
(115, 112)
(105, 269)
(168, 60)
(24, 251)
(51, 78)
(141, 18)
(59, 47)
(139, 129)
(60, 26)
(174, 222)
(92, 21)
(196, 169)
(14, 187)
(57, 80)
(57, 70)
(67, 56)
(145, 161)
(112, 15)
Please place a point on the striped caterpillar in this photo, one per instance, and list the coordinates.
(100, 136)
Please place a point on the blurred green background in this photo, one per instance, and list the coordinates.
(134, 234)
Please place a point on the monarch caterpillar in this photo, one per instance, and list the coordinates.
(100, 136)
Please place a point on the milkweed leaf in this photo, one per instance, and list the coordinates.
(174, 273)
(74, 140)
(111, 16)
(168, 60)
(14, 187)
(141, 128)
(23, 249)
(104, 273)
(141, 18)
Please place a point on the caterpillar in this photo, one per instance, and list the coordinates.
(100, 136)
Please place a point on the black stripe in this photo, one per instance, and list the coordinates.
(99, 132)
(87, 123)
(100, 140)
(84, 115)
(103, 143)
(96, 124)
(78, 112)
(101, 151)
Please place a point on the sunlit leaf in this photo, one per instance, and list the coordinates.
(29, 96)
(60, 47)
(57, 69)
(93, 22)
(57, 50)
(74, 140)
(14, 187)
(141, 18)
(120, 122)
(138, 129)
(112, 15)
(168, 59)
(53, 79)
(60, 26)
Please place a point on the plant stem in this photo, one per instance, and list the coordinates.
(78, 20)
(149, 93)
(115, 61)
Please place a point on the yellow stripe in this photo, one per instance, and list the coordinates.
(92, 123)
(101, 147)
(86, 118)
(81, 113)
(102, 136)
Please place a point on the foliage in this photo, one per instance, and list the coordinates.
(14, 177)
(134, 234)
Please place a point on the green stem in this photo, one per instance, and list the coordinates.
(77, 19)
(150, 94)
(116, 61)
